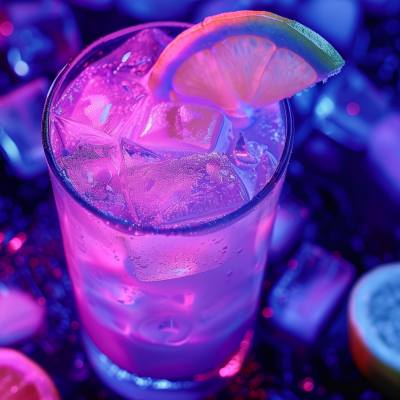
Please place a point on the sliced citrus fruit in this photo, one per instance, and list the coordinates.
(23, 379)
(242, 61)
(374, 329)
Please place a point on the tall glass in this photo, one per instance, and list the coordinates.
(166, 313)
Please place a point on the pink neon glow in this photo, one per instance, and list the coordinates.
(308, 384)
(292, 264)
(22, 378)
(21, 236)
(41, 301)
(6, 28)
(353, 109)
(2, 237)
(236, 362)
(33, 262)
(14, 245)
(57, 273)
(268, 312)
(75, 325)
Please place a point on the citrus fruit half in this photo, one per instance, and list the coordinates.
(241, 61)
(23, 379)
(374, 329)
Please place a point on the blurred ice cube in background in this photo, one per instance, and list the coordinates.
(290, 222)
(384, 155)
(37, 38)
(44, 37)
(307, 294)
(348, 107)
(20, 119)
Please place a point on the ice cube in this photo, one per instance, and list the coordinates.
(190, 127)
(101, 100)
(139, 53)
(347, 110)
(93, 171)
(133, 154)
(307, 294)
(66, 135)
(199, 186)
(253, 163)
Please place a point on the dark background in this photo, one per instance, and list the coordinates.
(335, 172)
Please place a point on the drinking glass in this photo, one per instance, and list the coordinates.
(167, 313)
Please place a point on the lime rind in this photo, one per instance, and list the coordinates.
(364, 294)
(365, 326)
(318, 41)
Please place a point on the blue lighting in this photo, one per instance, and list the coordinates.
(21, 68)
(324, 107)
(125, 57)
(13, 55)
(10, 147)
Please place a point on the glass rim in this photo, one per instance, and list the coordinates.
(129, 226)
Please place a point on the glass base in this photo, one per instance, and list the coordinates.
(133, 387)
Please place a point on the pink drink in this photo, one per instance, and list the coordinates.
(166, 211)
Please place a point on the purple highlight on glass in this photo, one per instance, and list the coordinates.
(347, 109)
(44, 38)
(167, 290)
(20, 116)
(307, 294)
(290, 221)
(21, 316)
(384, 155)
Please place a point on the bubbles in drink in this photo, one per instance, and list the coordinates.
(157, 163)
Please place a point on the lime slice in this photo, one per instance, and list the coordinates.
(374, 327)
(22, 379)
(242, 61)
